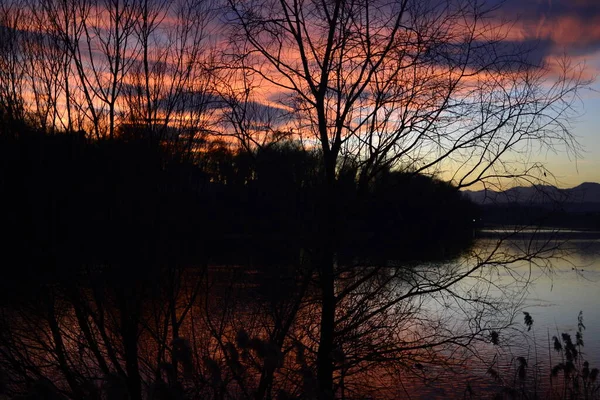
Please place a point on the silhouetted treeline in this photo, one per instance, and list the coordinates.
(68, 200)
(408, 216)
(563, 215)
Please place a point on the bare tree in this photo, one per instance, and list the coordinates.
(47, 63)
(170, 89)
(12, 71)
(417, 86)
(110, 66)
(246, 119)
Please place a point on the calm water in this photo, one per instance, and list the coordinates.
(553, 288)
(571, 284)
(553, 291)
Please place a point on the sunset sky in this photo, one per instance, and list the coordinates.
(569, 27)
(551, 29)
(555, 28)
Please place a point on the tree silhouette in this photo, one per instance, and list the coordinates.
(419, 86)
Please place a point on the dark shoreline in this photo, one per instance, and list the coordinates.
(545, 233)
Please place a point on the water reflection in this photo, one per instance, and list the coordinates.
(227, 331)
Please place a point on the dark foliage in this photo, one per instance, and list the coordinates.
(68, 201)
(410, 216)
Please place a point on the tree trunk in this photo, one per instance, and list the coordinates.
(129, 332)
(326, 270)
(324, 354)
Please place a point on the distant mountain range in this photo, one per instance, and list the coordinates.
(587, 193)
(575, 208)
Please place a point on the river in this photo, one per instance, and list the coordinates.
(555, 290)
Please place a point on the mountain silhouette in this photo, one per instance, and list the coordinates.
(577, 207)
(586, 193)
